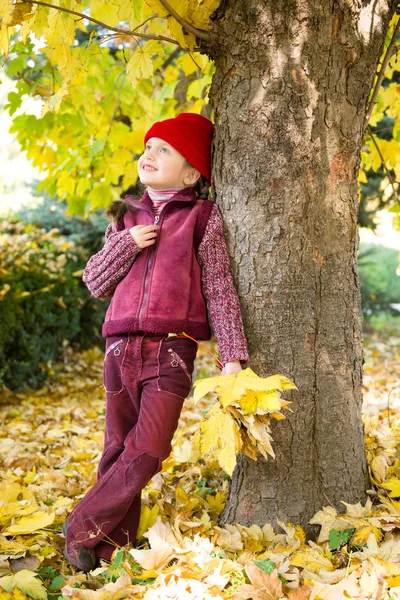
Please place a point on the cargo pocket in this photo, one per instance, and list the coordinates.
(175, 366)
(112, 374)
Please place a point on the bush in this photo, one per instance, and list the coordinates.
(380, 286)
(44, 305)
(50, 214)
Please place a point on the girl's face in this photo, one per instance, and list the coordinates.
(161, 166)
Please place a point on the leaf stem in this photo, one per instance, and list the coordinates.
(220, 365)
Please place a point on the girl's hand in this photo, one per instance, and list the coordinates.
(144, 235)
(231, 368)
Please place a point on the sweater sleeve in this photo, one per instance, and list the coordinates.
(105, 269)
(220, 292)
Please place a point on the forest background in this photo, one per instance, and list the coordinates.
(119, 84)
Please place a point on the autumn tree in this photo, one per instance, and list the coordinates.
(294, 85)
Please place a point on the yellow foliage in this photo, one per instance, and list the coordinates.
(141, 63)
(239, 420)
(4, 40)
(6, 12)
(219, 435)
(231, 388)
(362, 533)
(26, 582)
(147, 518)
(311, 559)
(38, 520)
(188, 549)
(393, 485)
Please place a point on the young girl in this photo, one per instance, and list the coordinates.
(165, 264)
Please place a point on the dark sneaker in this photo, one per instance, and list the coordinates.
(77, 555)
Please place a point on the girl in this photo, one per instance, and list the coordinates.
(164, 263)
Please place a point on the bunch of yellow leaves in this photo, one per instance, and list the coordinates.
(239, 420)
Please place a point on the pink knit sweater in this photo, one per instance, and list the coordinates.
(105, 270)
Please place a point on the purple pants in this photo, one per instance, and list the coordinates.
(147, 378)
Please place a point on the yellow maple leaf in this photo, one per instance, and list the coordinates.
(6, 11)
(184, 39)
(11, 491)
(148, 518)
(327, 518)
(15, 508)
(258, 434)
(150, 6)
(62, 56)
(107, 12)
(38, 520)
(188, 502)
(141, 64)
(219, 434)
(311, 559)
(60, 28)
(363, 530)
(393, 485)
(217, 502)
(262, 401)
(231, 388)
(249, 445)
(10, 548)
(199, 13)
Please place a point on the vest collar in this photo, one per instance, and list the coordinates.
(185, 195)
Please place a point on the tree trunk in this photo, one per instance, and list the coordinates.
(290, 91)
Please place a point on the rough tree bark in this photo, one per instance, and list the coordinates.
(290, 91)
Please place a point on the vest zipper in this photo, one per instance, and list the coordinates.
(149, 266)
(150, 261)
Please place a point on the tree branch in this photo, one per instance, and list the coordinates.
(203, 35)
(389, 53)
(117, 29)
(388, 173)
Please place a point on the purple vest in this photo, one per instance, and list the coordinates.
(162, 291)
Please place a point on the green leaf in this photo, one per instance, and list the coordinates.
(338, 538)
(265, 565)
(97, 147)
(57, 583)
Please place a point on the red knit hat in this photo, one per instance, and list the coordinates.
(189, 133)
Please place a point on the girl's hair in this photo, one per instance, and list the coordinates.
(118, 208)
(202, 186)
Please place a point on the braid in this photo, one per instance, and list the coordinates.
(116, 211)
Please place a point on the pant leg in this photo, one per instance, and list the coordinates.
(122, 404)
(165, 376)
(124, 533)
(122, 412)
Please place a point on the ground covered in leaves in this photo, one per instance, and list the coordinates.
(50, 443)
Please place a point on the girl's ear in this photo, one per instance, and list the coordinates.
(192, 176)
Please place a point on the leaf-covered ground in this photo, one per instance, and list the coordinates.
(50, 443)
